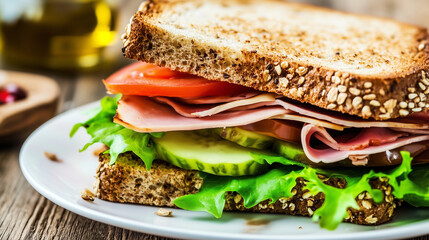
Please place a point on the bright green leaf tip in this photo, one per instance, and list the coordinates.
(119, 139)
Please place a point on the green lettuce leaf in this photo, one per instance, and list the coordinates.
(119, 139)
(272, 185)
(412, 186)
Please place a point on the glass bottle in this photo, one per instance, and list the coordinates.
(56, 34)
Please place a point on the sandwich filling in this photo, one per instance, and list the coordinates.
(258, 144)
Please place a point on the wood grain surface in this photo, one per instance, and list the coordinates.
(25, 214)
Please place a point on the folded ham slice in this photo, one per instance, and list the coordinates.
(143, 114)
(305, 111)
(367, 137)
(369, 141)
(201, 110)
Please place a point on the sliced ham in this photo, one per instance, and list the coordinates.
(304, 119)
(142, 114)
(201, 110)
(262, 100)
(413, 131)
(384, 140)
(347, 120)
(365, 138)
(302, 113)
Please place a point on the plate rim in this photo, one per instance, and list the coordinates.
(399, 232)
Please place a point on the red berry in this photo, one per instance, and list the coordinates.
(11, 93)
(5, 97)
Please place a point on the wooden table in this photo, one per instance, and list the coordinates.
(24, 213)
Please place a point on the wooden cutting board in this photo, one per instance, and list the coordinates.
(39, 106)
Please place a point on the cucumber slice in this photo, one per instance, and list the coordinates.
(245, 138)
(290, 151)
(211, 154)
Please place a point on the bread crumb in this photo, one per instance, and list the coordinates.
(52, 157)
(300, 227)
(102, 149)
(164, 212)
(87, 195)
(257, 222)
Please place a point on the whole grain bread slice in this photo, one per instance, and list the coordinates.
(360, 65)
(128, 181)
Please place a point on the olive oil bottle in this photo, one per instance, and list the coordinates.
(56, 34)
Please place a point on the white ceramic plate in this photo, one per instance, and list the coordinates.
(62, 182)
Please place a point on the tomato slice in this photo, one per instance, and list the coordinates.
(149, 80)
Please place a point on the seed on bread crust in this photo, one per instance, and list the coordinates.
(404, 112)
(336, 79)
(301, 71)
(332, 94)
(411, 96)
(367, 85)
(267, 76)
(284, 64)
(390, 105)
(375, 103)
(284, 82)
(357, 102)
(366, 204)
(424, 80)
(371, 220)
(366, 111)
(369, 97)
(385, 116)
(278, 69)
(341, 98)
(403, 105)
(342, 88)
(306, 195)
(354, 91)
(237, 198)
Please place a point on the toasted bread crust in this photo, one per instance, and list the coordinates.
(374, 83)
(128, 181)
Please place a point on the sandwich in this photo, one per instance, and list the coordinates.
(270, 107)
